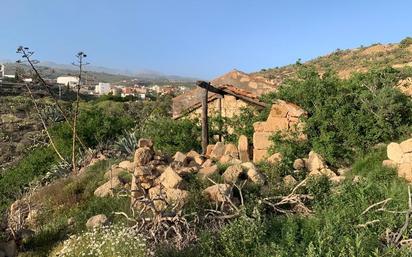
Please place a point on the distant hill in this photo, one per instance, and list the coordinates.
(53, 70)
(345, 62)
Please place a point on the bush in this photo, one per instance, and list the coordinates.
(171, 136)
(104, 242)
(405, 42)
(345, 116)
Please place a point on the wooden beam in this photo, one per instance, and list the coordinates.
(205, 122)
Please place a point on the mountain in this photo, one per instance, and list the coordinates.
(346, 62)
(103, 74)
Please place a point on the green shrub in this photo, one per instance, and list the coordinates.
(345, 116)
(171, 135)
(405, 42)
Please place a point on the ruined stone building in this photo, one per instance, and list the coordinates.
(241, 90)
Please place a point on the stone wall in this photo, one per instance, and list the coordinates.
(283, 116)
(230, 107)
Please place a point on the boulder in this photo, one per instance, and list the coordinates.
(289, 181)
(145, 142)
(243, 148)
(96, 221)
(199, 160)
(248, 165)
(394, 152)
(406, 157)
(173, 197)
(207, 163)
(299, 164)
(225, 159)
(143, 156)
(218, 192)
(209, 150)
(406, 146)
(218, 151)
(106, 189)
(389, 164)
(255, 176)
(259, 155)
(127, 165)
(314, 162)
(275, 158)
(327, 172)
(192, 154)
(405, 171)
(232, 173)
(181, 158)
(207, 171)
(232, 151)
(169, 178)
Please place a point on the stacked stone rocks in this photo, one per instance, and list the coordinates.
(284, 117)
(400, 157)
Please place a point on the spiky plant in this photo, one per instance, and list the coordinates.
(127, 143)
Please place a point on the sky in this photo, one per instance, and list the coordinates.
(201, 39)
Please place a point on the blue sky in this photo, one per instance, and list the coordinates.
(197, 38)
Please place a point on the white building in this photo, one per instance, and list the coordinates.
(2, 70)
(103, 88)
(70, 81)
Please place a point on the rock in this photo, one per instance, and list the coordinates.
(248, 165)
(114, 172)
(275, 158)
(2, 254)
(405, 171)
(406, 146)
(336, 180)
(192, 154)
(327, 172)
(169, 178)
(127, 165)
(289, 181)
(144, 142)
(357, 179)
(207, 171)
(259, 155)
(187, 170)
(232, 173)
(255, 176)
(225, 159)
(143, 171)
(218, 192)
(389, 163)
(173, 197)
(9, 248)
(232, 151)
(143, 156)
(314, 162)
(106, 189)
(207, 163)
(394, 152)
(96, 221)
(218, 151)
(243, 148)
(235, 161)
(199, 160)
(406, 157)
(299, 164)
(209, 150)
(71, 221)
(343, 171)
(181, 158)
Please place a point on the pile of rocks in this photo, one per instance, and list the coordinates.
(400, 157)
(164, 180)
(316, 166)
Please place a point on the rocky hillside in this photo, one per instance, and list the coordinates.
(345, 62)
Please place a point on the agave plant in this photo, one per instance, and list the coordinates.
(127, 143)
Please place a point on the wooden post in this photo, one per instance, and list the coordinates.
(205, 122)
(219, 109)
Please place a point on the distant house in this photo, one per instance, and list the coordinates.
(69, 81)
(103, 88)
(239, 90)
